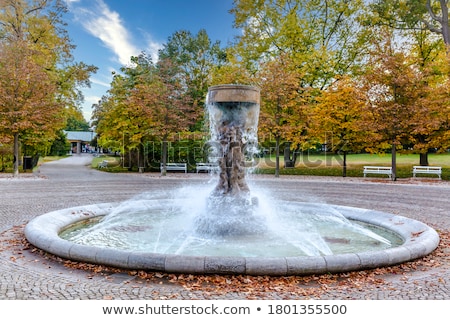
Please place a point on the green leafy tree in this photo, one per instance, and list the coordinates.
(119, 124)
(231, 71)
(408, 15)
(323, 38)
(193, 57)
(146, 102)
(60, 145)
(171, 104)
(76, 122)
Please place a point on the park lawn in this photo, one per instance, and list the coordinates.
(51, 158)
(325, 165)
(331, 165)
(112, 161)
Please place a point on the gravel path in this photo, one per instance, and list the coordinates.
(26, 273)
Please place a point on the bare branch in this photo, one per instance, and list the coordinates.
(432, 14)
(40, 6)
(431, 27)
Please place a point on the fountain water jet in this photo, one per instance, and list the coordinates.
(233, 116)
(207, 239)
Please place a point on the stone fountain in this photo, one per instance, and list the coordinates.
(234, 113)
(233, 116)
(229, 229)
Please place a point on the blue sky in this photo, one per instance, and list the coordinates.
(107, 32)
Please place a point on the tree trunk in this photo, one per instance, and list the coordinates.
(394, 162)
(289, 161)
(141, 157)
(423, 156)
(294, 156)
(16, 155)
(277, 157)
(445, 22)
(287, 155)
(344, 165)
(164, 157)
(424, 159)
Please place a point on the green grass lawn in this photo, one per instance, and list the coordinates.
(113, 163)
(331, 165)
(51, 158)
(324, 165)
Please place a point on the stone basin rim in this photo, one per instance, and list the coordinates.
(419, 240)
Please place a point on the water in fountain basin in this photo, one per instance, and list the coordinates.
(168, 225)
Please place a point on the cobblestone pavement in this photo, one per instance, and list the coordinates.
(26, 273)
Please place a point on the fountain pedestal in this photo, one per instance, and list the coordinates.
(233, 115)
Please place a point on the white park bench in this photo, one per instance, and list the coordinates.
(103, 164)
(427, 170)
(171, 166)
(202, 166)
(377, 170)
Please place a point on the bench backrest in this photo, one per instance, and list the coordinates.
(377, 168)
(175, 166)
(427, 168)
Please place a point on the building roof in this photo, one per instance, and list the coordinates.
(85, 136)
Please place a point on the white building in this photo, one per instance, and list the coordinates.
(79, 140)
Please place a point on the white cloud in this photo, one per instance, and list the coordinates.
(92, 99)
(152, 47)
(107, 25)
(101, 83)
(89, 101)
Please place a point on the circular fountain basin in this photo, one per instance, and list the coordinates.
(416, 240)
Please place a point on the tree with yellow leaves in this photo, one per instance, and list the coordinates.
(38, 79)
(27, 98)
(338, 119)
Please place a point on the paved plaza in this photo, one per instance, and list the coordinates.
(27, 273)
